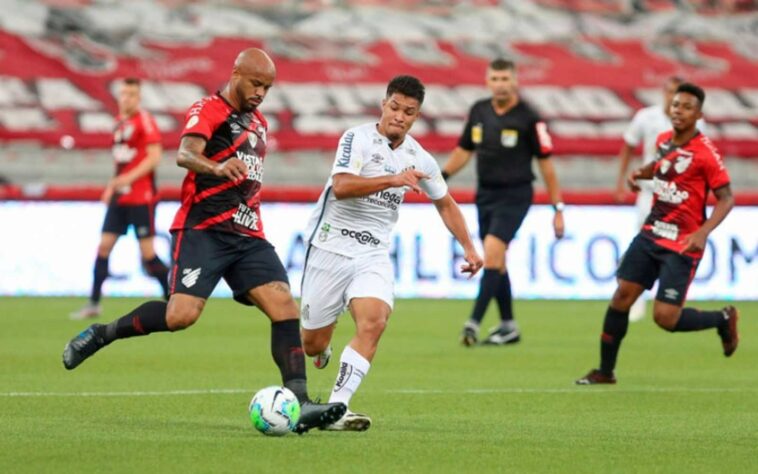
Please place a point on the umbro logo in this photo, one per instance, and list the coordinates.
(671, 293)
(190, 276)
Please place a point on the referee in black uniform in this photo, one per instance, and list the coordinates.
(506, 133)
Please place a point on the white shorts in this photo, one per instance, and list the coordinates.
(331, 280)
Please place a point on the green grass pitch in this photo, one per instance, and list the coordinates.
(178, 402)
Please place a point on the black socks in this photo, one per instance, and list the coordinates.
(692, 319)
(145, 319)
(614, 330)
(156, 269)
(287, 351)
(100, 274)
(488, 287)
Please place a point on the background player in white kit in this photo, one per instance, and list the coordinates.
(348, 263)
(647, 124)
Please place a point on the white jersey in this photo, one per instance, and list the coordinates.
(362, 225)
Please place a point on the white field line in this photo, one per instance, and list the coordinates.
(410, 391)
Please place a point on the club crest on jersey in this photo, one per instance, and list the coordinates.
(324, 234)
(377, 158)
(192, 122)
(508, 138)
(253, 139)
(123, 133)
(682, 163)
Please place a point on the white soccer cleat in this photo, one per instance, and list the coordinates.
(350, 422)
(89, 311)
(322, 360)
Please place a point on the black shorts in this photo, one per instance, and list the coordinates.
(502, 210)
(202, 257)
(118, 218)
(644, 262)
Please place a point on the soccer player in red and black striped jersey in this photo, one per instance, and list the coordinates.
(672, 240)
(218, 233)
(131, 196)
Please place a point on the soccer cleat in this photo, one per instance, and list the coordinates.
(469, 335)
(83, 345)
(729, 336)
(501, 336)
(88, 311)
(318, 415)
(595, 377)
(350, 422)
(322, 360)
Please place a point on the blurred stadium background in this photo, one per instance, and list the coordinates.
(586, 65)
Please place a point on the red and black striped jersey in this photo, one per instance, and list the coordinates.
(215, 203)
(131, 136)
(682, 178)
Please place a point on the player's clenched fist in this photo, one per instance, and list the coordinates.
(233, 169)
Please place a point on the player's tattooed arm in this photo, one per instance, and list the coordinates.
(191, 156)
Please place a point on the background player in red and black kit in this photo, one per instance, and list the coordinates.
(218, 233)
(671, 243)
(131, 194)
(506, 134)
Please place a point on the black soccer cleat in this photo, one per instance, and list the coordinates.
(728, 333)
(595, 377)
(83, 345)
(318, 415)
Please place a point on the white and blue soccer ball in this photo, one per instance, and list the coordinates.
(274, 411)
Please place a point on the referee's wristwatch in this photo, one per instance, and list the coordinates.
(559, 206)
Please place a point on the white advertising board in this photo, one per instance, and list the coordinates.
(48, 248)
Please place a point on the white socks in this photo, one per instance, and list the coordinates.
(353, 367)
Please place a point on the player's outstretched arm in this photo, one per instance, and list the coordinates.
(453, 218)
(346, 185)
(190, 156)
(724, 204)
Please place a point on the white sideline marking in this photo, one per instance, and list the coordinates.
(410, 391)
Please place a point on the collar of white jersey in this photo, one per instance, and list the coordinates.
(405, 145)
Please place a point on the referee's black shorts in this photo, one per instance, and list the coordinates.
(501, 210)
(203, 257)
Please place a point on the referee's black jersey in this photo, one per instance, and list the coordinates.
(505, 144)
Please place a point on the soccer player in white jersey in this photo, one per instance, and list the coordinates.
(348, 263)
(647, 124)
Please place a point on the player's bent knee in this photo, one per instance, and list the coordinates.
(315, 341)
(665, 319)
(182, 313)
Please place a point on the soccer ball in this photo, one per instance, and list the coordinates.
(274, 411)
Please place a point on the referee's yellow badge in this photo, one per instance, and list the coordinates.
(476, 134)
(508, 138)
